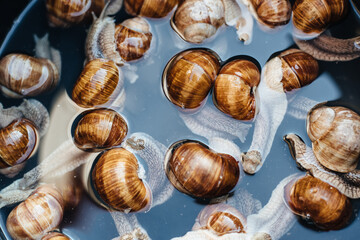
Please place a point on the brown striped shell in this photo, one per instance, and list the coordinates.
(55, 236)
(220, 219)
(18, 142)
(133, 38)
(200, 172)
(99, 84)
(40, 213)
(99, 129)
(312, 17)
(335, 136)
(189, 76)
(22, 75)
(150, 8)
(196, 20)
(318, 202)
(234, 89)
(116, 180)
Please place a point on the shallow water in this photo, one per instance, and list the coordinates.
(146, 109)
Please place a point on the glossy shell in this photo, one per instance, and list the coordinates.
(220, 219)
(18, 142)
(133, 38)
(22, 75)
(116, 180)
(45, 205)
(189, 76)
(55, 236)
(318, 202)
(98, 84)
(197, 20)
(335, 136)
(100, 129)
(198, 171)
(149, 8)
(312, 17)
(234, 89)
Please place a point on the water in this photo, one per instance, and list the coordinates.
(146, 109)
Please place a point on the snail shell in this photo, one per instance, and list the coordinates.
(22, 75)
(197, 20)
(312, 17)
(335, 136)
(116, 180)
(40, 213)
(319, 202)
(271, 13)
(133, 38)
(189, 76)
(234, 89)
(18, 142)
(55, 236)
(98, 84)
(220, 219)
(149, 8)
(99, 129)
(198, 171)
(298, 69)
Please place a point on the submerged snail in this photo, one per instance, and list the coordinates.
(220, 219)
(99, 129)
(198, 171)
(18, 142)
(99, 84)
(234, 89)
(271, 13)
(116, 179)
(45, 205)
(65, 13)
(318, 202)
(55, 236)
(150, 8)
(22, 75)
(335, 136)
(189, 76)
(133, 38)
(311, 17)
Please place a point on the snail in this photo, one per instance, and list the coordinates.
(150, 8)
(133, 38)
(45, 205)
(22, 75)
(335, 136)
(234, 89)
(220, 219)
(271, 13)
(318, 202)
(198, 171)
(100, 129)
(55, 236)
(189, 76)
(311, 17)
(66, 13)
(290, 70)
(99, 84)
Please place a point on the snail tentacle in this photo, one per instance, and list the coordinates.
(346, 183)
(329, 48)
(44, 50)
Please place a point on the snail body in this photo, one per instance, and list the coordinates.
(189, 76)
(45, 205)
(98, 84)
(18, 142)
(150, 8)
(335, 136)
(22, 75)
(234, 89)
(133, 38)
(311, 17)
(198, 171)
(319, 202)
